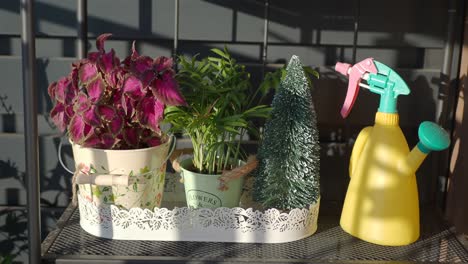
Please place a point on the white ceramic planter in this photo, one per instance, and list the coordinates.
(124, 178)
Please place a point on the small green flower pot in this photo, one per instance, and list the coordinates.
(202, 190)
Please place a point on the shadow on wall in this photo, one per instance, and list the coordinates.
(328, 28)
(8, 124)
(55, 185)
(457, 195)
(122, 32)
(14, 242)
(406, 56)
(13, 222)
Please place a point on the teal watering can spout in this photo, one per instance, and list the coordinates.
(432, 137)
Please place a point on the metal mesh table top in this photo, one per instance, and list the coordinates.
(329, 244)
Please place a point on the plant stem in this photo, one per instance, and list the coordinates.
(213, 162)
(228, 152)
(196, 146)
(236, 155)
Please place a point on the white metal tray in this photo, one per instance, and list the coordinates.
(245, 225)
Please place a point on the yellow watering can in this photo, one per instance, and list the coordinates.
(381, 204)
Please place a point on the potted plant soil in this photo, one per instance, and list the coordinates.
(219, 113)
(111, 110)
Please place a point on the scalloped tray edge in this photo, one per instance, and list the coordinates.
(204, 224)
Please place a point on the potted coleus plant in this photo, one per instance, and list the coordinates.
(111, 111)
(219, 113)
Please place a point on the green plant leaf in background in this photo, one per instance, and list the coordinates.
(6, 259)
(221, 108)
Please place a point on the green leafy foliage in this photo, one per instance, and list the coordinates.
(288, 173)
(14, 236)
(6, 259)
(220, 109)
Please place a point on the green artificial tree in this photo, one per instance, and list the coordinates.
(289, 157)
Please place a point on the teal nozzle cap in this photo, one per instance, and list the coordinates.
(432, 137)
(389, 85)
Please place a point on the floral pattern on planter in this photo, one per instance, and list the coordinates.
(146, 169)
(147, 194)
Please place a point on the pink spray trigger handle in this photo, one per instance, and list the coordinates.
(355, 73)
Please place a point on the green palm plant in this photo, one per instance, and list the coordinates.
(220, 110)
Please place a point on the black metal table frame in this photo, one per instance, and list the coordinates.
(70, 244)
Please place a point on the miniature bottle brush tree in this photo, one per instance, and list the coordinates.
(289, 156)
